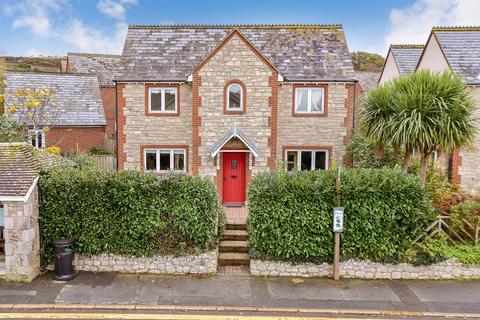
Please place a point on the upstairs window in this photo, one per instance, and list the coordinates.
(307, 160)
(310, 101)
(37, 138)
(162, 100)
(164, 160)
(234, 97)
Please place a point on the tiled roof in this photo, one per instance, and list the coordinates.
(367, 79)
(406, 56)
(77, 95)
(312, 52)
(104, 66)
(461, 46)
(20, 164)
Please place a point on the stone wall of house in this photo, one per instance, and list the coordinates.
(235, 60)
(367, 270)
(140, 129)
(328, 131)
(22, 239)
(203, 263)
(468, 168)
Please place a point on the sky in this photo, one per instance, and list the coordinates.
(55, 27)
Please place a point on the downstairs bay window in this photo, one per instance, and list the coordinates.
(164, 160)
(307, 159)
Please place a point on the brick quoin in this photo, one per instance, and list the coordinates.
(121, 138)
(196, 123)
(456, 164)
(108, 99)
(273, 120)
(348, 121)
(76, 139)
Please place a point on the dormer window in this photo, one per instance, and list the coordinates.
(234, 97)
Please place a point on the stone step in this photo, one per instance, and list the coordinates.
(235, 235)
(236, 225)
(233, 246)
(233, 259)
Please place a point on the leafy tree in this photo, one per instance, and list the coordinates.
(33, 107)
(2, 68)
(366, 61)
(422, 111)
(367, 155)
(11, 131)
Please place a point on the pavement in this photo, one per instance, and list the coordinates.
(105, 289)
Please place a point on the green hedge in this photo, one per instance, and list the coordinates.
(290, 214)
(130, 212)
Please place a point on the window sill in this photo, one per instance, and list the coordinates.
(162, 114)
(309, 114)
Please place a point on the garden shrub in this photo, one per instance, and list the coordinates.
(128, 213)
(290, 214)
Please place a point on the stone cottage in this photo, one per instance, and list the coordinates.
(230, 101)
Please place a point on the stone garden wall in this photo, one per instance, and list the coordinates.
(202, 263)
(367, 270)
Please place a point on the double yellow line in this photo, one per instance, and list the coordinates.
(131, 316)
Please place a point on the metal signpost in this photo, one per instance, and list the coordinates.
(337, 229)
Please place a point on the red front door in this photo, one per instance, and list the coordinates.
(234, 177)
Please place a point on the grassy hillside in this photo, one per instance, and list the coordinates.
(49, 64)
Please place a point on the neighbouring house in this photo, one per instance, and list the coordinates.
(80, 124)
(458, 49)
(229, 101)
(105, 67)
(20, 165)
(367, 79)
(401, 59)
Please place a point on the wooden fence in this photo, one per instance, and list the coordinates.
(107, 162)
(466, 230)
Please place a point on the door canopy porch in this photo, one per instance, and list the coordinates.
(234, 132)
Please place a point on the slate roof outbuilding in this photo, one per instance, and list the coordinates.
(77, 95)
(461, 46)
(104, 66)
(406, 57)
(20, 165)
(171, 53)
(367, 79)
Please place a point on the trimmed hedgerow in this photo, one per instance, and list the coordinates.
(129, 213)
(290, 214)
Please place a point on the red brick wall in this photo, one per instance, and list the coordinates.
(108, 99)
(76, 139)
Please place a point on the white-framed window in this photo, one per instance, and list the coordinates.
(162, 100)
(37, 138)
(309, 100)
(312, 159)
(164, 160)
(235, 97)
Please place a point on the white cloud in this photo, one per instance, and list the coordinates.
(413, 23)
(34, 14)
(33, 52)
(55, 20)
(115, 8)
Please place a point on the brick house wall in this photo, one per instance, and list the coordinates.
(109, 106)
(138, 129)
(75, 139)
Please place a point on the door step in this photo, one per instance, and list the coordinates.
(233, 246)
(235, 235)
(236, 225)
(233, 259)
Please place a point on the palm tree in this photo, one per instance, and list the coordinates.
(426, 112)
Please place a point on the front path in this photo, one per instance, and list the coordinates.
(110, 288)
